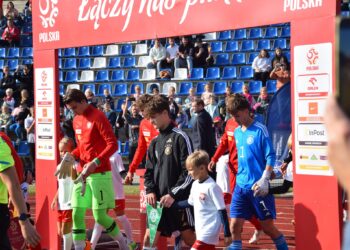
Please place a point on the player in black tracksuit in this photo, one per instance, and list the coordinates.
(166, 177)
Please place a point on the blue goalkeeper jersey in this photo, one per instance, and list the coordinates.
(255, 152)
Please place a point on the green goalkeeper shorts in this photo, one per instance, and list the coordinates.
(99, 192)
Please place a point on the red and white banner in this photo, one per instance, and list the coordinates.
(60, 24)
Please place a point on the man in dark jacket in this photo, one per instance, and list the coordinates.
(166, 177)
(203, 135)
(8, 81)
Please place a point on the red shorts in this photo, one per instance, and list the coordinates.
(227, 198)
(119, 205)
(64, 216)
(199, 245)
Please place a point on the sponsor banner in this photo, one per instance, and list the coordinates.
(105, 21)
(313, 161)
(312, 133)
(45, 119)
(311, 110)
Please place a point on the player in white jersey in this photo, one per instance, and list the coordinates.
(223, 179)
(63, 197)
(117, 167)
(208, 203)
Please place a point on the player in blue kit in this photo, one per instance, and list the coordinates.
(256, 159)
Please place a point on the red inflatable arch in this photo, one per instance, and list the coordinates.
(62, 24)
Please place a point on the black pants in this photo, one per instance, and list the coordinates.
(281, 189)
(261, 76)
(4, 226)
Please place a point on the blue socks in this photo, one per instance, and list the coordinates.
(236, 245)
(281, 243)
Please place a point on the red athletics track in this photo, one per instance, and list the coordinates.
(285, 213)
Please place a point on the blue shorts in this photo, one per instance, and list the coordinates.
(245, 205)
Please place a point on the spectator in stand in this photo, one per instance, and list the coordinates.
(11, 35)
(107, 98)
(173, 107)
(25, 78)
(25, 98)
(110, 113)
(154, 89)
(281, 74)
(9, 100)
(190, 98)
(279, 58)
(5, 118)
(120, 125)
(27, 11)
(157, 55)
(3, 20)
(29, 125)
(210, 59)
(262, 66)
(207, 93)
(263, 102)
(8, 81)
(11, 11)
(248, 96)
(133, 120)
(171, 53)
(200, 54)
(18, 126)
(181, 119)
(203, 136)
(91, 99)
(212, 107)
(23, 107)
(185, 55)
(137, 92)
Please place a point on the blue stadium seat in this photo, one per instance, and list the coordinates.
(125, 149)
(129, 62)
(119, 105)
(117, 75)
(70, 63)
(222, 59)
(71, 76)
(126, 50)
(271, 32)
(13, 52)
(251, 57)
(184, 88)
(97, 50)
(102, 87)
(232, 46)
(254, 87)
(59, 52)
(28, 19)
(2, 63)
(229, 73)
(84, 51)
(133, 86)
(120, 89)
(213, 73)
(287, 54)
(2, 52)
(263, 44)
(69, 52)
(84, 63)
(27, 61)
(271, 86)
(219, 88)
(60, 76)
(102, 76)
(133, 75)
(255, 33)
(280, 43)
(216, 47)
(238, 58)
(225, 35)
(60, 60)
(247, 45)
(12, 64)
(200, 88)
(89, 86)
(114, 62)
(27, 52)
(285, 31)
(236, 87)
(26, 41)
(61, 90)
(23, 149)
(246, 72)
(240, 34)
(197, 74)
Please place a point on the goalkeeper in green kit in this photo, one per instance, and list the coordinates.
(93, 188)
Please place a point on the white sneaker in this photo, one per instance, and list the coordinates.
(256, 236)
